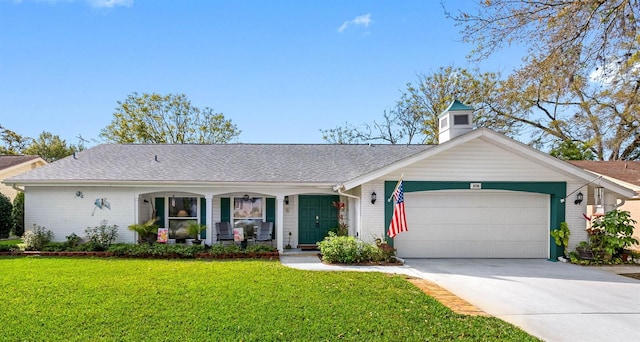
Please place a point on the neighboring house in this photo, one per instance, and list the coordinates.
(478, 194)
(625, 173)
(14, 165)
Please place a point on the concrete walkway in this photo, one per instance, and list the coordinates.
(550, 300)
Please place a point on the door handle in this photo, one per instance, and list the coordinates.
(317, 220)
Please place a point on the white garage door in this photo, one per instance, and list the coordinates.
(475, 224)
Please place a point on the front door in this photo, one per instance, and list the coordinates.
(316, 215)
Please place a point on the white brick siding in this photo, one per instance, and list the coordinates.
(61, 211)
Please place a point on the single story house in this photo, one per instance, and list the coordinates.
(622, 172)
(477, 194)
(15, 165)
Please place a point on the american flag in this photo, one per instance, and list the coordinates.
(398, 220)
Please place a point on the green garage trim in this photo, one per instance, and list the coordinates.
(556, 191)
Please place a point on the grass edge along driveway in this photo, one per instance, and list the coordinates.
(124, 299)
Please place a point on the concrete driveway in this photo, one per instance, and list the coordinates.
(551, 300)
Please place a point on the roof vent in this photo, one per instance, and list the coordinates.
(455, 121)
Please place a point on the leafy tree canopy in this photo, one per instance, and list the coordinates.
(414, 119)
(580, 78)
(571, 150)
(48, 146)
(167, 119)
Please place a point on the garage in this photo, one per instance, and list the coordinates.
(475, 224)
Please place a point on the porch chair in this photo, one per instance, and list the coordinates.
(265, 232)
(224, 231)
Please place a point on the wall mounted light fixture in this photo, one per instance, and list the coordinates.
(246, 197)
(579, 198)
(286, 200)
(374, 197)
(79, 194)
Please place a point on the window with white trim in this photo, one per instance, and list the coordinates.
(182, 211)
(248, 213)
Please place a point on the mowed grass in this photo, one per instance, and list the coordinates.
(10, 242)
(59, 299)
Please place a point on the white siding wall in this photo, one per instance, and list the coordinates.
(290, 222)
(59, 210)
(481, 161)
(372, 214)
(573, 214)
(478, 160)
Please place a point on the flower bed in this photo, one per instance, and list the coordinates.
(159, 251)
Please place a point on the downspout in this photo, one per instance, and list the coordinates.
(357, 207)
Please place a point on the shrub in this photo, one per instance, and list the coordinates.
(348, 250)
(55, 247)
(101, 237)
(259, 248)
(36, 238)
(6, 219)
(561, 236)
(73, 240)
(612, 232)
(17, 214)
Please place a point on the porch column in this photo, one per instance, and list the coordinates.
(136, 213)
(209, 219)
(356, 216)
(280, 223)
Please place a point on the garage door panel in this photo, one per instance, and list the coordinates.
(475, 224)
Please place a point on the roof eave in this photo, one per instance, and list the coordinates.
(499, 140)
(155, 183)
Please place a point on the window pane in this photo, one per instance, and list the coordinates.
(247, 208)
(461, 119)
(178, 229)
(183, 207)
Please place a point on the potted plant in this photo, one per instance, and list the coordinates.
(194, 229)
(561, 236)
(146, 231)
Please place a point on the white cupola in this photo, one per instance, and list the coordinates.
(455, 121)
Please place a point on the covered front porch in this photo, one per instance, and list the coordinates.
(299, 216)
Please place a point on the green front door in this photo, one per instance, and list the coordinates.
(316, 215)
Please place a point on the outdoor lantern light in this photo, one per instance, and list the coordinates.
(246, 197)
(374, 197)
(579, 198)
(286, 200)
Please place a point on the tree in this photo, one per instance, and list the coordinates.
(6, 221)
(415, 116)
(167, 119)
(50, 147)
(13, 142)
(18, 214)
(581, 76)
(571, 150)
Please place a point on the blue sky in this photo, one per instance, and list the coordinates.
(281, 70)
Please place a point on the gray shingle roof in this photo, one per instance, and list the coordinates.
(9, 161)
(221, 163)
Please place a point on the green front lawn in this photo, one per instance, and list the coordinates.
(10, 242)
(132, 300)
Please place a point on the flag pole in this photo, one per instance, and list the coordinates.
(396, 188)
